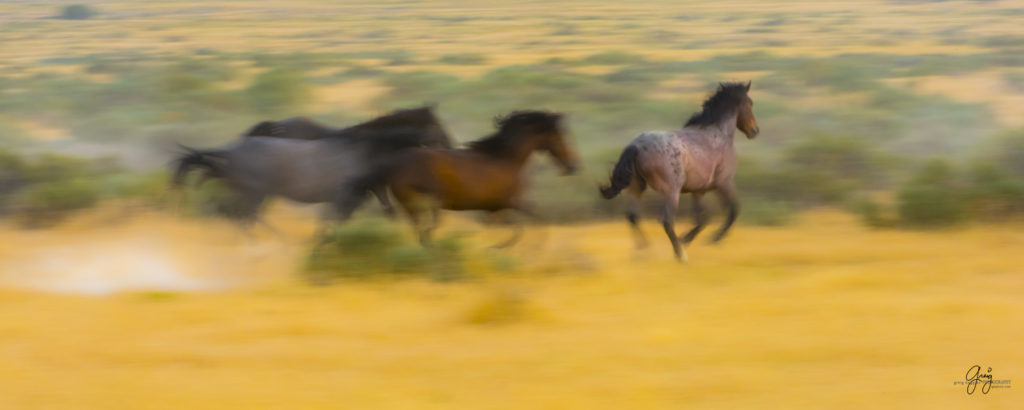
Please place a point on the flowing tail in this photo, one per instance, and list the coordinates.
(211, 161)
(622, 176)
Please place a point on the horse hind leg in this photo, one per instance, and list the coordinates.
(633, 213)
(382, 196)
(700, 217)
(248, 213)
(516, 234)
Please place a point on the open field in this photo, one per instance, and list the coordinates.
(130, 300)
(824, 314)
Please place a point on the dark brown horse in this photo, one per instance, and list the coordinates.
(696, 159)
(486, 175)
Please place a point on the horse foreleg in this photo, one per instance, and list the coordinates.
(422, 231)
(328, 216)
(382, 196)
(516, 234)
(728, 196)
(417, 208)
(668, 219)
(699, 217)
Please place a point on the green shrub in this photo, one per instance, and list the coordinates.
(994, 193)
(77, 12)
(45, 187)
(149, 188)
(766, 213)
(371, 248)
(874, 214)
(14, 174)
(48, 203)
(463, 59)
(613, 58)
(931, 198)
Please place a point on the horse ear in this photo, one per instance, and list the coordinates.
(748, 85)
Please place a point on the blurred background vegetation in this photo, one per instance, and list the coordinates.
(895, 111)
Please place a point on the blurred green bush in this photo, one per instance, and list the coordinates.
(373, 248)
(77, 12)
(932, 198)
(463, 59)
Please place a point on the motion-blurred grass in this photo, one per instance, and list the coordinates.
(821, 314)
(907, 113)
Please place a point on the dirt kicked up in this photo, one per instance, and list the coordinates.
(823, 314)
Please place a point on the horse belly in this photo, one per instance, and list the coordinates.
(488, 189)
(311, 182)
(699, 170)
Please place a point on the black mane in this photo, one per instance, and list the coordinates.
(725, 101)
(397, 127)
(509, 136)
(399, 118)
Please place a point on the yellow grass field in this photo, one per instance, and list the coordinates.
(127, 308)
(824, 314)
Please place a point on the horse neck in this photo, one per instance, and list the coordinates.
(722, 133)
(521, 152)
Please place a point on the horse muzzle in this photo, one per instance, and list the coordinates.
(753, 133)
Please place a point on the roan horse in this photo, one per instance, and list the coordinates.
(696, 159)
(311, 171)
(486, 175)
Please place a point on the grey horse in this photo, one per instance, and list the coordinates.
(696, 159)
(310, 170)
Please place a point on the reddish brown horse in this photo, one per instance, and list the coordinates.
(486, 175)
(696, 159)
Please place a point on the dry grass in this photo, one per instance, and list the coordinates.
(826, 314)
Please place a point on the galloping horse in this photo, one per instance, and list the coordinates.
(311, 171)
(486, 175)
(696, 159)
(302, 128)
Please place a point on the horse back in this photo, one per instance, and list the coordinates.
(293, 128)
